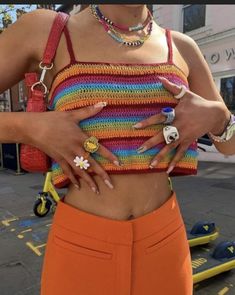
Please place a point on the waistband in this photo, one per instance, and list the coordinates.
(117, 231)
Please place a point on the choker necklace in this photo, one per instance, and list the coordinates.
(110, 28)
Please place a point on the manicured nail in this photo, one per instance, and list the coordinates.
(141, 149)
(153, 164)
(95, 190)
(137, 125)
(77, 186)
(169, 169)
(117, 163)
(100, 104)
(108, 183)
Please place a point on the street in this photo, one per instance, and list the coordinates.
(208, 196)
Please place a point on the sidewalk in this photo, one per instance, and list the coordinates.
(210, 195)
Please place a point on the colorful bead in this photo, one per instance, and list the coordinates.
(97, 11)
(109, 27)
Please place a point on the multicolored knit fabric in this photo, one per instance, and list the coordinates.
(133, 92)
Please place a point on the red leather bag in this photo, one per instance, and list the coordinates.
(31, 158)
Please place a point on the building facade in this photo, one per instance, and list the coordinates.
(213, 28)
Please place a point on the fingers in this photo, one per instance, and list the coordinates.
(83, 170)
(155, 119)
(181, 150)
(69, 172)
(167, 148)
(153, 141)
(173, 88)
(87, 112)
(104, 152)
(86, 177)
(101, 172)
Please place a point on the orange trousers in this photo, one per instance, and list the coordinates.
(91, 255)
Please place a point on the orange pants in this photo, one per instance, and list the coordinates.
(92, 255)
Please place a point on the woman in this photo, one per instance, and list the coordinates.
(119, 229)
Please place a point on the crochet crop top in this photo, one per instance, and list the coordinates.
(133, 92)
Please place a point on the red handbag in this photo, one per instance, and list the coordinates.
(31, 158)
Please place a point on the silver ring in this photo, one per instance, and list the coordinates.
(81, 162)
(170, 134)
(169, 113)
(182, 92)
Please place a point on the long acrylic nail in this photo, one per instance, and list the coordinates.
(117, 163)
(77, 186)
(137, 125)
(141, 149)
(108, 183)
(100, 104)
(95, 190)
(153, 164)
(170, 169)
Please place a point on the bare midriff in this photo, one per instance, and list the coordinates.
(134, 195)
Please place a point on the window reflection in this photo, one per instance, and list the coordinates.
(227, 89)
(194, 17)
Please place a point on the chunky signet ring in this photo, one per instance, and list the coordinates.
(170, 134)
(169, 113)
(81, 162)
(182, 92)
(91, 144)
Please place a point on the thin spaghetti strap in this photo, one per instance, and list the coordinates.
(169, 43)
(69, 44)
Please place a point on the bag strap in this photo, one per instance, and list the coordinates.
(31, 79)
(54, 38)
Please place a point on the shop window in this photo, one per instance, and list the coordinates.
(194, 17)
(227, 90)
(5, 101)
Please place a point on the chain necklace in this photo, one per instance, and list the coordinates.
(110, 28)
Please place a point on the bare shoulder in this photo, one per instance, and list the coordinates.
(200, 77)
(188, 48)
(35, 26)
(22, 45)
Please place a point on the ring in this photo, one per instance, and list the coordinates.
(91, 144)
(169, 113)
(81, 162)
(182, 92)
(170, 134)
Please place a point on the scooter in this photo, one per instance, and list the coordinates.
(203, 232)
(47, 199)
(207, 263)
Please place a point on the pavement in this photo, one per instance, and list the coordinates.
(208, 196)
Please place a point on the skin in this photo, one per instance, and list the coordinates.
(122, 196)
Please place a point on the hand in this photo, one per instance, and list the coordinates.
(194, 117)
(59, 136)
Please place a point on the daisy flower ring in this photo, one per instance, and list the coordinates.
(81, 162)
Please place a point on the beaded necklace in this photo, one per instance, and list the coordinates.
(109, 27)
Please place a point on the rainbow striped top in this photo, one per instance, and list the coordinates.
(133, 92)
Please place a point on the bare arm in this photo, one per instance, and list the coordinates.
(201, 82)
(21, 47)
